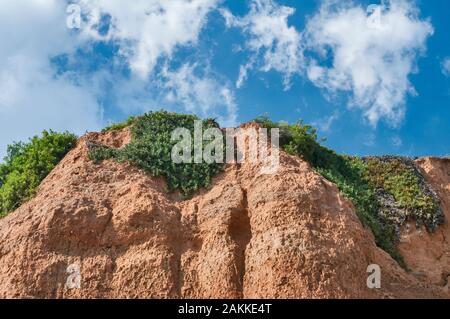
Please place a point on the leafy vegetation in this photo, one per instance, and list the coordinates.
(151, 149)
(363, 181)
(27, 164)
(398, 178)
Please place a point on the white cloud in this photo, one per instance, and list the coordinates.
(270, 38)
(243, 73)
(31, 98)
(202, 94)
(446, 66)
(373, 64)
(148, 29)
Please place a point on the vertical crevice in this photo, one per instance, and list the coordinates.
(189, 242)
(241, 234)
(178, 253)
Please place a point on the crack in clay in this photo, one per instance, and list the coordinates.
(241, 234)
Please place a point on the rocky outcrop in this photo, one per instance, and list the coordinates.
(290, 235)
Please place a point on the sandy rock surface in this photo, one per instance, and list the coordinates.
(428, 254)
(290, 235)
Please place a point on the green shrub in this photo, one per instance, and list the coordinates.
(151, 149)
(27, 164)
(399, 178)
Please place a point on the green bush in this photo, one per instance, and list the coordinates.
(27, 164)
(399, 178)
(151, 149)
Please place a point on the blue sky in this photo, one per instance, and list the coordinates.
(373, 80)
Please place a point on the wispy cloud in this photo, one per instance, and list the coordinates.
(446, 66)
(243, 73)
(396, 141)
(274, 44)
(324, 124)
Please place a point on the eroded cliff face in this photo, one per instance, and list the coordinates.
(290, 235)
(428, 254)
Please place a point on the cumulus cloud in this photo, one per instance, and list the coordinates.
(31, 97)
(341, 50)
(371, 62)
(446, 66)
(147, 30)
(275, 45)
